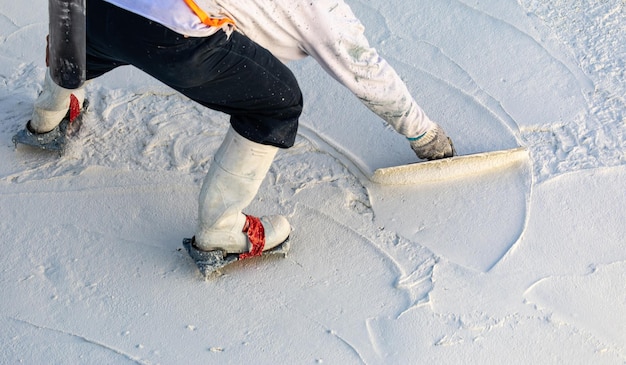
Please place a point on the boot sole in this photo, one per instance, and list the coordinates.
(210, 262)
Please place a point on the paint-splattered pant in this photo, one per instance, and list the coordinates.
(230, 74)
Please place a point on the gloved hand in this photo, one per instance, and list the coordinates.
(433, 145)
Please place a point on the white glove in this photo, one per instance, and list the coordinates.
(433, 145)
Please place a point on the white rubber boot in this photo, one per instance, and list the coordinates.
(233, 180)
(52, 105)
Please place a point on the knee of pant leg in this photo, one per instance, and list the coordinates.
(276, 123)
(280, 133)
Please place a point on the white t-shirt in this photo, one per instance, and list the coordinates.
(173, 14)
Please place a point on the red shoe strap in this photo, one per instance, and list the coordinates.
(256, 235)
(74, 108)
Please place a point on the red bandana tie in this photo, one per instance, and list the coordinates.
(256, 235)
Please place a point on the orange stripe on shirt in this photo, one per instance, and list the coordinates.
(205, 18)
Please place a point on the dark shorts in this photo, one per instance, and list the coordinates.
(230, 74)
